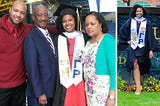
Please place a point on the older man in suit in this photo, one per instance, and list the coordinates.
(40, 55)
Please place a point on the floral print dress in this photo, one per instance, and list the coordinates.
(96, 86)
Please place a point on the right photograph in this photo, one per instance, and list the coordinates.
(138, 52)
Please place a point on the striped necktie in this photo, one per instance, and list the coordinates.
(50, 41)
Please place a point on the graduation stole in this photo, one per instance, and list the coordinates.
(68, 76)
(138, 40)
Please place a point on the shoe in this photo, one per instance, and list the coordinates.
(138, 90)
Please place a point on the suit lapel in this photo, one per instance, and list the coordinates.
(43, 39)
(54, 39)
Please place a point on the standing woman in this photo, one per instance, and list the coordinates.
(136, 32)
(99, 62)
(70, 85)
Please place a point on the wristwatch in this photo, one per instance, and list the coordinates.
(111, 97)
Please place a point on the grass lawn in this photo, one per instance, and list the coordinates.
(145, 99)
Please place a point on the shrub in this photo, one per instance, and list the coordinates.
(151, 84)
(122, 85)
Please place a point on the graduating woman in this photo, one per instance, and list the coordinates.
(70, 85)
(136, 32)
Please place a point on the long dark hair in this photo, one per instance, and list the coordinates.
(100, 19)
(134, 9)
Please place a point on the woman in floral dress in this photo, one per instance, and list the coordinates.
(99, 62)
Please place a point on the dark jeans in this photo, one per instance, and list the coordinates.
(13, 96)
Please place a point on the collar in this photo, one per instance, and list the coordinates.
(139, 19)
(11, 27)
(71, 34)
(42, 30)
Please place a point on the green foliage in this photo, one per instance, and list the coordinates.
(151, 84)
(122, 85)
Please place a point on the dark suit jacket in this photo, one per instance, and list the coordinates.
(41, 64)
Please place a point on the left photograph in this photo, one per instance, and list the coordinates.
(58, 53)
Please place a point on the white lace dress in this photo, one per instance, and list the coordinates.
(96, 86)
